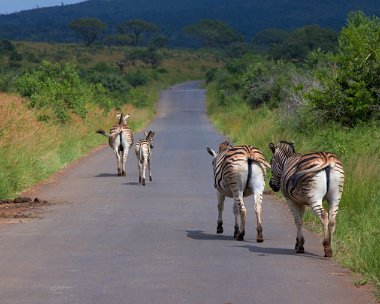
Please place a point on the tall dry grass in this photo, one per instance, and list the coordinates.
(31, 150)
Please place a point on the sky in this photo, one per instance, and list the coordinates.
(11, 6)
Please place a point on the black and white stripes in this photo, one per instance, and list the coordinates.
(239, 172)
(143, 151)
(120, 140)
(305, 180)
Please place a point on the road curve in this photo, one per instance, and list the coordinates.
(112, 241)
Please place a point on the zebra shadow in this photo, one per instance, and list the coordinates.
(106, 175)
(201, 235)
(132, 184)
(263, 251)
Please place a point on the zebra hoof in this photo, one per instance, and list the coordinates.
(300, 250)
(240, 236)
(236, 231)
(118, 173)
(143, 181)
(219, 229)
(123, 174)
(150, 178)
(259, 237)
(140, 180)
(328, 252)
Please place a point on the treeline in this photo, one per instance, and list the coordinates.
(279, 44)
(247, 17)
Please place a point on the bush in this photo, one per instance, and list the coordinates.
(137, 97)
(263, 83)
(351, 91)
(137, 79)
(58, 87)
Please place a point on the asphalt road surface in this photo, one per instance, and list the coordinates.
(109, 240)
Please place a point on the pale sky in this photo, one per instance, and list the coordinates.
(11, 6)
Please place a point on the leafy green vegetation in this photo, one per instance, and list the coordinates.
(257, 101)
(351, 92)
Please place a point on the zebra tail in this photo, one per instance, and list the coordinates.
(265, 163)
(102, 132)
(249, 177)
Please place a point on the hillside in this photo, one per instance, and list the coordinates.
(249, 17)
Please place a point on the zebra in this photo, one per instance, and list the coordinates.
(120, 140)
(143, 151)
(305, 180)
(239, 172)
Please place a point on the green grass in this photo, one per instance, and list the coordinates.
(357, 234)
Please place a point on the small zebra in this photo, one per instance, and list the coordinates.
(305, 180)
(120, 140)
(239, 172)
(143, 151)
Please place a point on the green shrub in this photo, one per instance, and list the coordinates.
(137, 79)
(351, 91)
(137, 97)
(58, 87)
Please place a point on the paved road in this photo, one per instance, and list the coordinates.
(112, 241)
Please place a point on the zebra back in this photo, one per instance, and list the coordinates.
(297, 171)
(144, 146)
(231, 160)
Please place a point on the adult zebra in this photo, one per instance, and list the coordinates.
(239, 172)
(306, 180)
(143, 151)
(120, 140)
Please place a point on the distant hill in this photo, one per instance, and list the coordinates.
(247, 16)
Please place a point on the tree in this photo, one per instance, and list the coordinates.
(266, 39)
(303, 40)
(88, 28)
(136, 27)
(214, 33)
(351, 90)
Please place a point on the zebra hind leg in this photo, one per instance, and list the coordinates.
(298, 211)
(219, 228)
(259, 228)
(236, 227)
(118, 161)
(150, 170)
(238, 200)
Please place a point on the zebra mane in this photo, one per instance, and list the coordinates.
(287, 144)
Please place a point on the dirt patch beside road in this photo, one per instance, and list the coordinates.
(21, 210)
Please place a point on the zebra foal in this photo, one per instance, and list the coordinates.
(305, 180)
(239, 172)
(143, 151)
(120, 139)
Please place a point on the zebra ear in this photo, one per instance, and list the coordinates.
(272, 147)
(145, 133)
(211, 152)
(118, 115)
(126, 117)
(292, 145)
